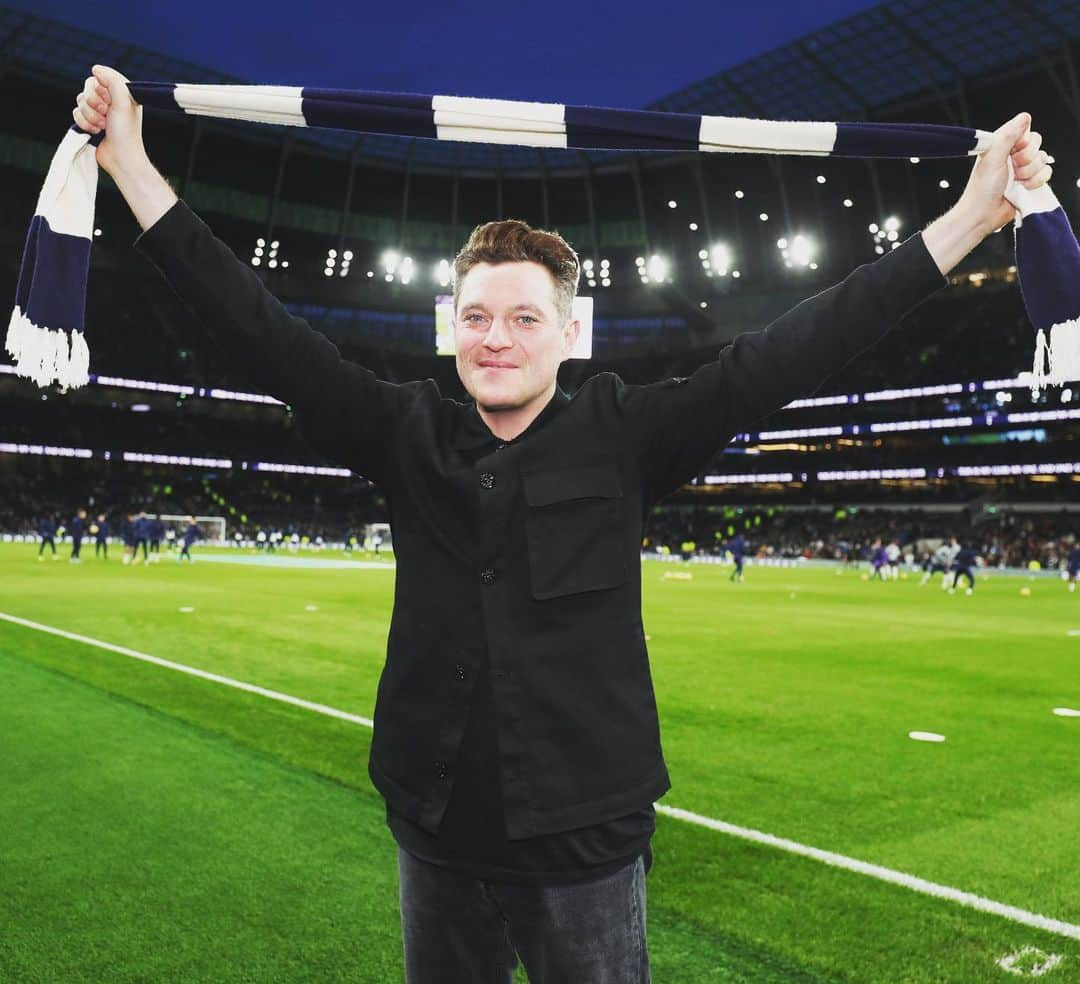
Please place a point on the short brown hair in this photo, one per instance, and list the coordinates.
(512, 241)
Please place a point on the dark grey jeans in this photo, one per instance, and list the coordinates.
(459, 930)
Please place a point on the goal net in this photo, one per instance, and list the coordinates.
(213, 527)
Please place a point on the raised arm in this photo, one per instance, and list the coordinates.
(343, 408)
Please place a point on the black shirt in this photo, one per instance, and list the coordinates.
(524, 560)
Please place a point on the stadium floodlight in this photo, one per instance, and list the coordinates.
(693, 227)
(273, 263)
(873, 227)
(703, 305)
(406, 270)
(764, 216)
(587, 264)
(332, 253)
(260, 241)
(848, 203)
(739, 193)
(258, 251)
(892, 224)
(914, 160)
(255, 261)
(442, 273)
(821, 179)
(658, 268)
(606, 282)
(800, 251)
(720, 257)
(736, 274)
(943, 183)
(348, 254)
(390, 260)
(97, 232)
(672, 203)
(284, 264)
(274, 244)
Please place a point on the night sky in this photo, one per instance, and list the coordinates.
(612, 54)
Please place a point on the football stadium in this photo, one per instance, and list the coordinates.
(496, 538)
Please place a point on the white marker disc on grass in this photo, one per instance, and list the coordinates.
(187, 608)
(311, 608)
(1067, 712)
(925, 736)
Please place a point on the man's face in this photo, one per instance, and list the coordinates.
(509, 337)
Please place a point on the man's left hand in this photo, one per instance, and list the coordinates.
(984, 196)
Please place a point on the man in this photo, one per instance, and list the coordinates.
(140, 534)
(78, 531)
(892, 557)
(47, 529)
(878, 561)
(941, 562)
(127, 533)
(101, 537)
(962, 568)
(1072, 564)
(192, 534)
(737, 546)
(155, 530)
(516, 741)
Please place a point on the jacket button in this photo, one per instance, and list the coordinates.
(500, 446)
(440, 769)
(460, 671)
(487, 575)
(487, 481)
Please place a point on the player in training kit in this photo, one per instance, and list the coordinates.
(737, 546)
(941, 563)
(47, 529)
(101, 537)
(1072, 565)
(140, 534)
(962, 565)
(892, 556)
(878, 560)
(78, 530)
(155, 529)
(192, 533)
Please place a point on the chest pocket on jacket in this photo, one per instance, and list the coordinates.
(573, 528)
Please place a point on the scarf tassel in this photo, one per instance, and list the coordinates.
(44, 355)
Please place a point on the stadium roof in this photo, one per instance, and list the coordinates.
(857, 68)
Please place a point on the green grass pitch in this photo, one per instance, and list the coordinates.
(155, 826)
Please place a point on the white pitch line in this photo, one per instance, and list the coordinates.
(192, 671)
(915, 884)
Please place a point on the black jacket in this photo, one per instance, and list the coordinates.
(531, 548)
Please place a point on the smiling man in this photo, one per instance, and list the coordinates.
(516, 739)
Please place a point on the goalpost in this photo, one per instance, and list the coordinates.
(213, 527)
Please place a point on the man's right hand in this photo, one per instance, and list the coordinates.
(106, 104)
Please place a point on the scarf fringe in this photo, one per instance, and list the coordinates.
(1057, 361)
(43, 355)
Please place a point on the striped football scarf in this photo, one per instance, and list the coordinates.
(51, 294)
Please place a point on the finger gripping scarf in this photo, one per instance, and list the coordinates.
(51, 293)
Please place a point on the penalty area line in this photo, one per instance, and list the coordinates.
(1033, 919)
